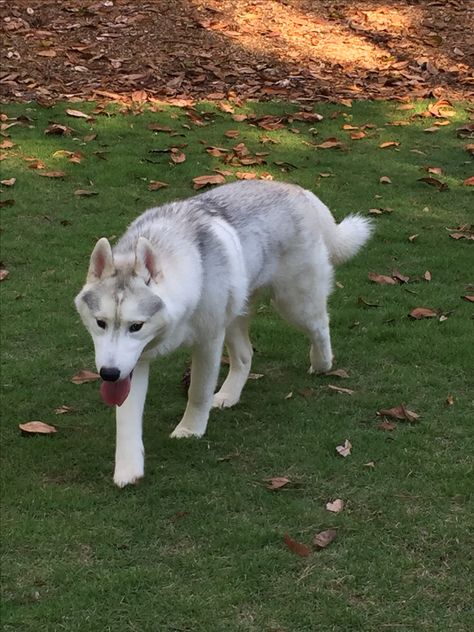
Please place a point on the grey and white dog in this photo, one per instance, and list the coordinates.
(185, 273)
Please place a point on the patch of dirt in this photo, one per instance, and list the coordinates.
(300, 50)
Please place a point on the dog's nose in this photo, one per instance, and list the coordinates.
(109, 374)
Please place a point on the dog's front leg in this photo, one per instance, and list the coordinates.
(129, 455)
(204, 372)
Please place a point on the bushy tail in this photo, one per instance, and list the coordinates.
(348, 238)
(342, 240)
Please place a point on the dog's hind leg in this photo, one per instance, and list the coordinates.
(302, 300)
(240, 355)
(129, 455)
(204, 372)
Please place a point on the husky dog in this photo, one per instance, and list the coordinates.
(185, 273)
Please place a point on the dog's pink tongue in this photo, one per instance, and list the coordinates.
(115, 393)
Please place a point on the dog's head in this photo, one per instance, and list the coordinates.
(122, 310)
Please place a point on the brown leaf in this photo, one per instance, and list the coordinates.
(9, 182)
(202, 181)
(422, 312)
(400, 277)
(36, 427)
(469, 182)
(63, 410)
(296, 547)
(36, 164)
(58, 130)
(436, 170)
(338, 373)
(177, 156)
(324, 538)
(277, 482)
(154, 185)
(441, 186)
(84, 376)
(330, 143)
(413, 237)
(306, 392)
(427, 276)
(450, 399)
(46, 53)
(389, 143)
(52, 174)
(385, 180)
(468, 297)
(399, 412)
(232, 133)
(78, 114)
(156, 127)
(3, 274)
(381, 279)
(361, 301)
(217, 152)
(340, 389)
(336, 506)
(345, 449)
(85, 193)
(370, 465)
(358, 135)
(386, 425)
(6, 144)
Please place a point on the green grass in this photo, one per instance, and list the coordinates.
(81, 555)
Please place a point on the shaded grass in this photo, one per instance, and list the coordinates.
(198, 545)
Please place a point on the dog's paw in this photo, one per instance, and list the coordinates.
(321, 367)
(128, 474)
(183, 432)
(224, 400)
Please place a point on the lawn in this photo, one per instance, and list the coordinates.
(198, 545)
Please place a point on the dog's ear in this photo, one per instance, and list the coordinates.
(102, 263)
(146, 262)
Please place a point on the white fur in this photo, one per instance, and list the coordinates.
(188, 271)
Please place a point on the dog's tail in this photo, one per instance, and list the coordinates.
(342, 240)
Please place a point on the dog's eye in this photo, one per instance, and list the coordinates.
(135, 327)
(102, 324)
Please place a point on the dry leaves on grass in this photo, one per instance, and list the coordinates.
(324, 538)
(63, 410)
(277, 482)
(296, 547)
(344, 449)
(52, 174)
(3, 274)
(9, 182)
(36, 427)
(340, 389)
(338, 373)
(336, 506)
(155, 185)
(202, 181)
(399, 412)
(84, 376)
(422, 312)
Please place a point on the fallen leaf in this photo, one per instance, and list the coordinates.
(78, 114)
(289, 395)
(413, 237)
(202, 181)
(389, 143)
(324, 538)
(277, 482)
(52, 174)
(330, 143)
(469, 182)
(431, 130)
(37, 164)
(85, 193)
(46, 53)
(441, 186)
(296, 547)
(386, 425)
(358, 135)
(232, 133)
(400, 277)
(156, 127)
(449, 400)
(370, 464)
(399, 412)
(36, 427)
(63, 410)
(436, 170)
(9, 182)
(345, 449)
(385, 180)
(6, 144)
(338, 373)
(255, 376)
(381, 279)
(427, 276)
(3, 274)
(59, 130)
(422, 312)
(177, 156)
(245, 175)
(468, 297)
(306, 392)
(340, 389)
(336, 506)
(154, 185)
(85, 376)
(361, 301)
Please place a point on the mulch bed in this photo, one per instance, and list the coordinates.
(236, 49)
